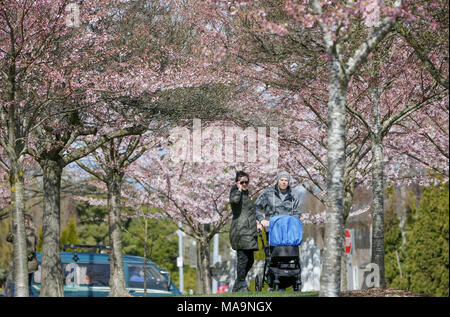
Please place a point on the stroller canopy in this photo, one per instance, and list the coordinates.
(285, 230)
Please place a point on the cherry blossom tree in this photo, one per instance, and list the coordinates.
(53, 158)
(19, 50)
(112, 160)
(335, 30)
(159, 84)
(347, 34)
(374, 104)
(7, 203)
(379, 127)
(84, 64)
(312, 48)
(427, 34)
(193, 186)
(39, 60)
(421, 143)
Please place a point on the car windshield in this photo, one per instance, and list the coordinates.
(76, 274)
(154, 279)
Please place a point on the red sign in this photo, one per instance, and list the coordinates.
(222, 287)
(348, 241)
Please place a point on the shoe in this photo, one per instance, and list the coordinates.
(241, 288)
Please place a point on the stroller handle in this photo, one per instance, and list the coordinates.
(266, 253)
(262, 239)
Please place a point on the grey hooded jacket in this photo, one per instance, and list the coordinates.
(271, 202)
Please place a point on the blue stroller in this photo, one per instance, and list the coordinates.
(282, 263)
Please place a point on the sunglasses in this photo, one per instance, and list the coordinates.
(243, 182)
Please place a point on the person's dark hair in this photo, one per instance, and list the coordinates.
(241, 174)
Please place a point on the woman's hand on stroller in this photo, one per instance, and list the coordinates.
(261, 224)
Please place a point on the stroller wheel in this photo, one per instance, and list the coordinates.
(298, 287)
(276, 287)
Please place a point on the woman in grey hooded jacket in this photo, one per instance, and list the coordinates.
(277, 200)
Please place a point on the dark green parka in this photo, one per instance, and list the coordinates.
(243, 233)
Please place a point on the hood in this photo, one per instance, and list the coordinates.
(283, 174)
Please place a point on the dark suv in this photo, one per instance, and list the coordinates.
(86, 274)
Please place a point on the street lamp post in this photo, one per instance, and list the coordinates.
(180, 234)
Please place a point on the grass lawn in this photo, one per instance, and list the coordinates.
(264, 293)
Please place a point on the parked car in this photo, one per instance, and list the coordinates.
(86, 274)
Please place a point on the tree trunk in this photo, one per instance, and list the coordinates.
(14, 146)
(19, 241)
(203, 267)
(145, 256)
(117, 275)
(344, 271)
(378, 189)
(52, 275)
(334, 227)
(348, 202)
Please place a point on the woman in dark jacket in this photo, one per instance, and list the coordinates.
(243, 234)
